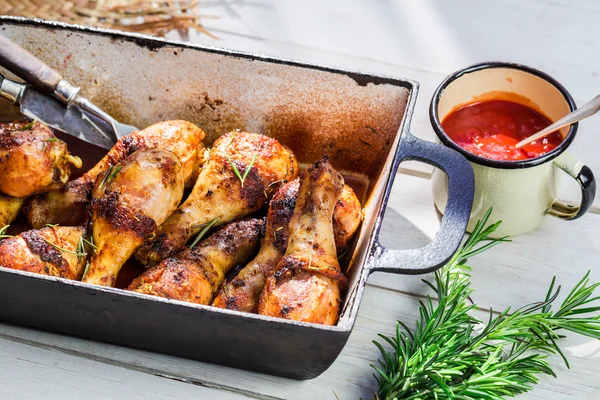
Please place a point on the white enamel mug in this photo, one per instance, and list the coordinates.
(520, 192)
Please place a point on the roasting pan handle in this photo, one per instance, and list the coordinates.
(456, 216)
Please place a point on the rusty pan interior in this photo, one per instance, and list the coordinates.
(354, 119)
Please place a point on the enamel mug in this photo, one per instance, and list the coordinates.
(521, 192)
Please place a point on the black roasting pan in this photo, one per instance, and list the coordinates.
(360, 121)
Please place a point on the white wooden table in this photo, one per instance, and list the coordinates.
(419, 39)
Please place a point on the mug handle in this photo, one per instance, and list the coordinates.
(584, 176)
(461, 187)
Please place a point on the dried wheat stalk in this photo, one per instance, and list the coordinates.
(144, 16)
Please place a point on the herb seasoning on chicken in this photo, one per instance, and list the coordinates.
(194, 275)
(54, 251)
(243, 292)
(306, 285)
(67, 206)
(235, 182)
(129, 201)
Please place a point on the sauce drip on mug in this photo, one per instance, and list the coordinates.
(491, 129)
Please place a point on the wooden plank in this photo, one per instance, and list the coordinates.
(512, 273)
(424, 41)
(28, 372)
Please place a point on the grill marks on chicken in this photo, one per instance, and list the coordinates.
(129, 201)
(67, 206)
(306, 285)
(53, 251)
(195, 275)
(32, 159)
(242, 170)
(243, 292)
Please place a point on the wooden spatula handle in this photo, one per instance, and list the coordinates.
(27, 67)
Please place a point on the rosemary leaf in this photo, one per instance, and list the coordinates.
(114, 173)
(75, 253)
(235, 170)
(275, 232)
(241, 177)
(248, 168)
(90, 243)
(28, 126)
(203, 232)
(232, 138)
(106, 175)
(111, 173)
(85, 270)
(3, 234)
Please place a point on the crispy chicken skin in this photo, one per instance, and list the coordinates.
(243, 292)
(9, 209)
(129, 201)
(32, 159)
(220, 193)
(67, 206)
(347, 216)
(43, 252)
(195, 275)
(307, 281)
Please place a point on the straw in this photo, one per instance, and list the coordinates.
(143, 16)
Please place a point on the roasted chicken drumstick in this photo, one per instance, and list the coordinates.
(306, 285)
(55, 251)
(195, 275)
(243, 292)
(67, 206)
(129, 201)
(242, 170)
(32, 159)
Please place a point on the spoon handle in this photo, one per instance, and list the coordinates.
(588, 109)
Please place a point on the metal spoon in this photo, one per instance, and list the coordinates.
(588, 109)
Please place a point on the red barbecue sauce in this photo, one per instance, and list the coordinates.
(491, 129)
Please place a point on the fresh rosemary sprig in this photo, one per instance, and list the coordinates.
(203, 232)
(444, 357)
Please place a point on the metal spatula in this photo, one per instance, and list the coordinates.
(35, 105)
